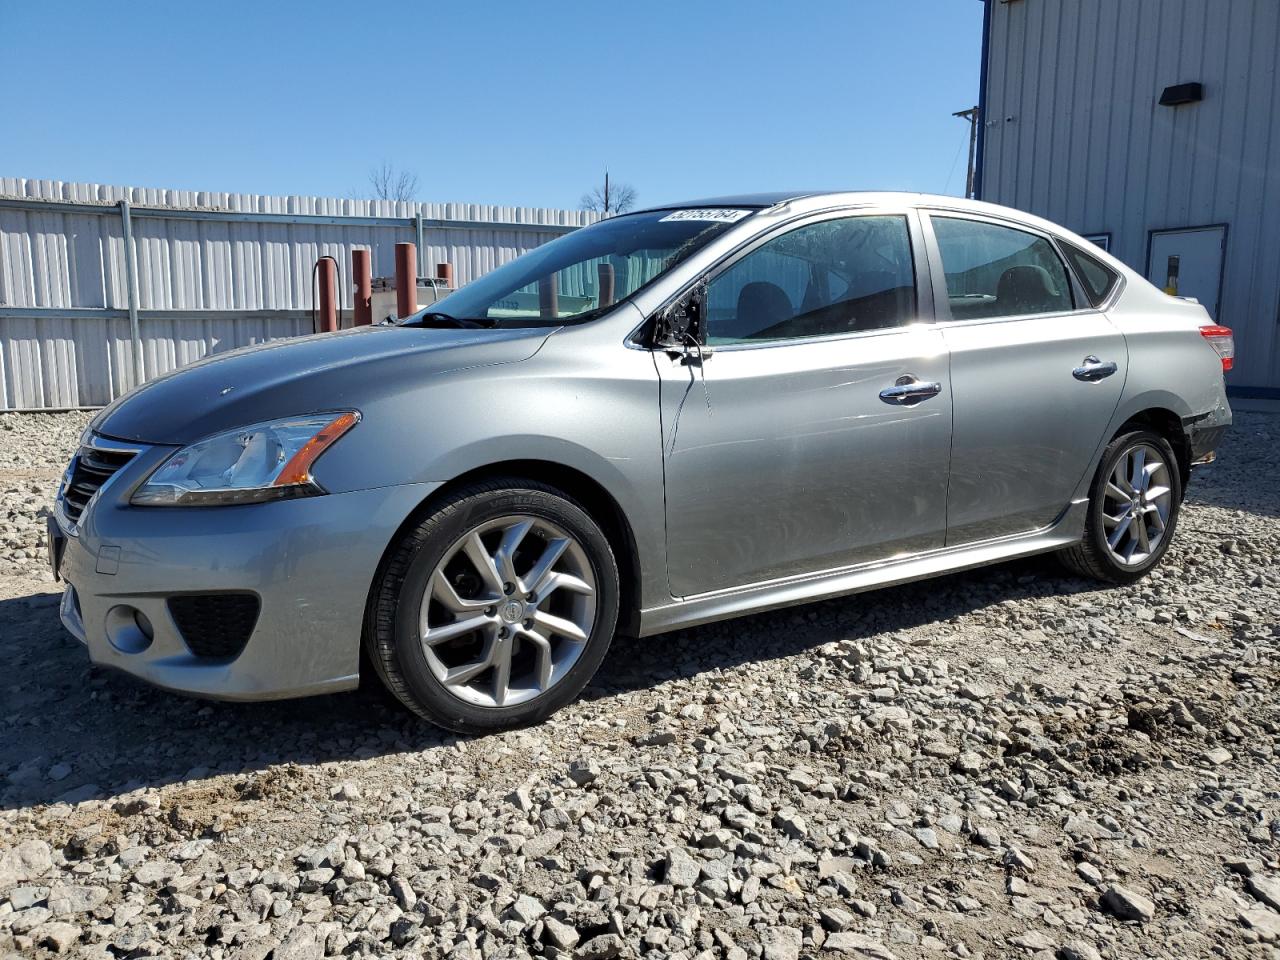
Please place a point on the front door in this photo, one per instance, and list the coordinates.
(782, 458)
(1036, 374)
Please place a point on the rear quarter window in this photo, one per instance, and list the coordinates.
(1095, 276)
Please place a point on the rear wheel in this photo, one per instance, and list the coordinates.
(497, 609)
(1133, 510)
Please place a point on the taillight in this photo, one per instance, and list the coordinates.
(1223, 343)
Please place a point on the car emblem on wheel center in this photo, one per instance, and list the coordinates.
(512, 611)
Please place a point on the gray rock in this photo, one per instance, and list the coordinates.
(1032, 940)
(559, 934)
(542, 844)
(1078, 950)
(1089, 873)
(349, 791)
(404, 893)
(156, 872)
(858, 945)
(781, 943)
(192, 850)
(1266, 889)
(526, 909)
(927, 837)
(583, 772)
(987, 837)
(1128, 904)
(304, 942)
(65, 900)
(1265, 923)
(20, 898)
(604, 947)
(28, 860)
(789, 821)
(57, 935)
(835, 919)
(681, 869)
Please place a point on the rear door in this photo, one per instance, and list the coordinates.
(1036, 374)
(782, 458)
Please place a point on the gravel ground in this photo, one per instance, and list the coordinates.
(1004, 763)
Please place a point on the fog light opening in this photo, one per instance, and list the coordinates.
(128, 629)
(142, 623)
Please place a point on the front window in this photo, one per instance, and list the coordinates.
(581, 274)
(823, 279)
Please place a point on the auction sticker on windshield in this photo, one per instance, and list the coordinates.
(709, 214)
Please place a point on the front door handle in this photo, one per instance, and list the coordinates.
(908, 391)
(1092, 369)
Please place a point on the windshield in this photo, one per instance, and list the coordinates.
(583, 273)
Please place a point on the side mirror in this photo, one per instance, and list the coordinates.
(684, 320)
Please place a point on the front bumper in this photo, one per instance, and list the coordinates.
(310, 562)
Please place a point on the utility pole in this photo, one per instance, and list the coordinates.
(971, 115)
(606, 192)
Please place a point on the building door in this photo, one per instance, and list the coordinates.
(1188, 263)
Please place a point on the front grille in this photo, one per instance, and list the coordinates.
(215, 625)
(91, 468)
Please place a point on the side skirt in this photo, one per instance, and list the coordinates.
(757, 598)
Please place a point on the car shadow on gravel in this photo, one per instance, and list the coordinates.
(74, 732)
(635, 663)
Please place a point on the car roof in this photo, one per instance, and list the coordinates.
(900, 197)
(769, 199)
(817, 199)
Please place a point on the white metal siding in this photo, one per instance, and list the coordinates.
(1074, 132)
(53, 261)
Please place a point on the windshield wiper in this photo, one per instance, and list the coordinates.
(434, 318)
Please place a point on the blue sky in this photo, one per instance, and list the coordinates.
(491, 102)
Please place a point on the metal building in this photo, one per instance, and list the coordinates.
(104, 287)
(1153, 127)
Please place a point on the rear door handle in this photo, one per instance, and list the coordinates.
(907, 391)
(1092, 369)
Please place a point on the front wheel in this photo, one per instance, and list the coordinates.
(1133, 510)
(497, 609)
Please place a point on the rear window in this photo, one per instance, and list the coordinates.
(1097, 278)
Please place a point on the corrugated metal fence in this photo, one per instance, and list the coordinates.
(99, 285)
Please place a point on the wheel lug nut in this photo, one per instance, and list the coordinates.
(528, 624)
(531, 598)
(508, 588)
(502, 634)
(489, 611)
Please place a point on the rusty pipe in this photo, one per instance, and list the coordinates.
(606, 275)
(406, 279)
(362, 280)
(328, 270)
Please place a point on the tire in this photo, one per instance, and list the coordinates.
(1094, 556)
(431, 585)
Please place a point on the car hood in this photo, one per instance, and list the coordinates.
(287, 378)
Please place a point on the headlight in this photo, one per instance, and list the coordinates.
(265, 461)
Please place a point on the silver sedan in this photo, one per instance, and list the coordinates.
(667, 418)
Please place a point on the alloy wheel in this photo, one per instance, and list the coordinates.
(508, 611)
(1136, 504)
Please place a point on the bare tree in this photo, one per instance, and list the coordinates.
(388, 183)
(609, 199)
